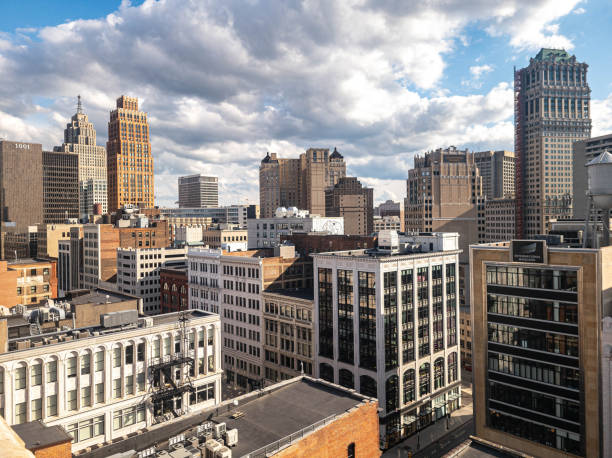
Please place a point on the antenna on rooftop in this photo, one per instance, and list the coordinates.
(79, 106)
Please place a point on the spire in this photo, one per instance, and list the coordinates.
(79, 106)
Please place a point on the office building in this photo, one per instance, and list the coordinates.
(386, 325)
(103, 382)
(500, 219)
(301, 417)
(36, 280)
(585, 151)
(387, 223)
(349, 199)
(60, 187)
(174, 289)
(465, 339)
(551, 111)
(288, 333)
(298, 182)
(49, 236)
(21, 181)
(231, 284)
(391, 208)
(497, 169)
(70, 262)
(129, 159)
(138, 272)
(536, 331)
(267, 232)
(226, 237)
(198, 191)
(80, 138)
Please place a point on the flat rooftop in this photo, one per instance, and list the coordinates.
(298, 293)
(269, 415)
(100, 296)
(35, 434)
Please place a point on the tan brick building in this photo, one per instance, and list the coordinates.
(36, 280)
(354, 202)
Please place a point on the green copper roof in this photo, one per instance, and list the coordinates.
(557, 55)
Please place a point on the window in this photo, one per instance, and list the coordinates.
(36, 413)
(99, 360)
(346, 378)
(99, 393)
(141, 352)
(350, 451)
(52, 371)
(438, 373)
(117, 357)
(117, 388)
(52, 405)
(20, 378)
(409, 386)
(167, 345)
(85, 364)
(71, 368)
(71, 400)
(424, 380)
(368, 386)
(156, 348)
(129, 416)
(140, 381)
(86, 396)
(452, 367)
(392, 393)
(129, 354)
(86, 429)
(129, 385)
(36, 374)
(20, 412)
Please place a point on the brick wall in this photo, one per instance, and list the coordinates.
(54, 451)
(360, 426)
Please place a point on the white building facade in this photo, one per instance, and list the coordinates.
(266, 232)
(231, 286)
(100, 384)
(138, 272)
(387, 325)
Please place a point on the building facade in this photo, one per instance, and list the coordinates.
(198, 191)
(500, 219)
(226, 237)
(174, 289)
(70, 262)
(551, 111)
(536, 333)
(129, 158)
(60, 186)
(138, 271)
(298, 182)
(349, 199)
(103, 385)
(497, 169)
(287, 333)
(267, 232)
(49, 235)
(387, 223)
(80, 138)
(36, 280)
(387, 325)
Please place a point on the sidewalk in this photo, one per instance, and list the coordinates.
(435, 431)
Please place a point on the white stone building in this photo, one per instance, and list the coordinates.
(387, 325)
(101, 383)
(138, 272)
(266, 232)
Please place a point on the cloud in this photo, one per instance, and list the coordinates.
(601, 113)
(579, 11)
(224, 82)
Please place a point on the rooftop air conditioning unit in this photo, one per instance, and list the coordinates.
(223, 452)
(211, 447)
(219, 430)
(231, 437)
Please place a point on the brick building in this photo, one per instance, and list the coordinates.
(353, 201)
(174, 289)
(36, 280)
(306, 243)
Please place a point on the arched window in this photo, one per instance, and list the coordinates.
(424, 380)
(392, 393)
(183, 289)
(174, 288)
(452, 367)
(438, 373)
(350, 450)
(409, 384)
(326, 372)
(368, 387)
(346, 378)
(166, 286)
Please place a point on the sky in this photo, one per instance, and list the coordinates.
(224, 82)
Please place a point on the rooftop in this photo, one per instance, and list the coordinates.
(298, 293)
(25, 262)
(101, 296)
(269, 415)
(37, 435)
(557, 55)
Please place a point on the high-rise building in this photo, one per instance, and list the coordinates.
(387, 325)
(551, 111)
(585, 151)
(497, 169)
(129, 159)
(80, 138)
(298, 182)
(21, 183)
(537, 346)
(60, 186)
(198, 191)
(500, 219)
(349, 199)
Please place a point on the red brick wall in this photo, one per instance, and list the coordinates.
(54, 451)
(359, 426)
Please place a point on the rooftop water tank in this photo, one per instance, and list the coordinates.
(599, 172)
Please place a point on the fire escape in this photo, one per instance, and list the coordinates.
(170, 374)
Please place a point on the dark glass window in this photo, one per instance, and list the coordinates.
(538, 278)
(326, 319)
(129, 354)
(534, 340)
(438, 373)
(346, 378)
(345, 316)
(525, 307)
(424, 379)
(326, 372)
(409, 386)
(367, 386)
(367, 320)
(452, 367)
(392, 393)
(350, 451)
(390, 320)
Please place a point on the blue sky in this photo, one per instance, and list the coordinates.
(225, 82)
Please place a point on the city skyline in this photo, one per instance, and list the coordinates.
(413, 88)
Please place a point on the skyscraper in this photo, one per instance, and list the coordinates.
(551, 111)
(198, 191)
(349, 199)
(60, 186)
(129, 159)
(497, 169)
(298, 182)
(80, 138)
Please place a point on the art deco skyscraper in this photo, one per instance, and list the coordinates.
(80, 138)
(551, 111)
(129, 159)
